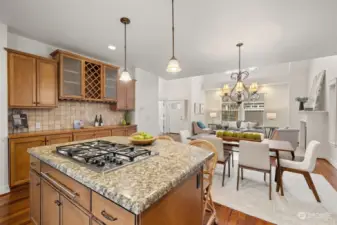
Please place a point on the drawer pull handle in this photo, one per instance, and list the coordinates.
(33, 164)
(107, 216)
(57, 202)
(70, 193)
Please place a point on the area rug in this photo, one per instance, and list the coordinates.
(298, 205)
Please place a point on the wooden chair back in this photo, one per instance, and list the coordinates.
(210, 164)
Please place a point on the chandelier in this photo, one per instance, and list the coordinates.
(239, 93)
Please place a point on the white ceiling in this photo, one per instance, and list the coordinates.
(273, 31)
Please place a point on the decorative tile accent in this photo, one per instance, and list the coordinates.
(64, 115)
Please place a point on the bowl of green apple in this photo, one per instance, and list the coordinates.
(142, 138)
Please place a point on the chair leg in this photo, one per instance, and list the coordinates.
(281, 182)
(312, 185)
(238, 178)
(276, 171)
(241, 173)
(232, 159)
(229, 168)
(223, 174)
(264, 177)
(308, 181)
(293, 156)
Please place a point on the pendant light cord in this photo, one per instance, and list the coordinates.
(125, 47)
(173, 27)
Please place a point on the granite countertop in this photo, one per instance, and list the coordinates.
(135, 187)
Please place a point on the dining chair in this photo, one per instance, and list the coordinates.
(208, 173)
(305, 167)
(223, 156)
(165, 137)
(184, 134)
(254, 156)
(290, 135)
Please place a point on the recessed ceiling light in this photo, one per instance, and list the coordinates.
(112, 47)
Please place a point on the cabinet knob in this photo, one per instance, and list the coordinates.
(38, 184)
(57, 202)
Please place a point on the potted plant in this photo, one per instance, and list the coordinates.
(301, 100)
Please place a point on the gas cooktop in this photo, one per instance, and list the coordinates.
(104, 156)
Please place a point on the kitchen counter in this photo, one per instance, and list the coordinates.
(138, 186)
(65, 131)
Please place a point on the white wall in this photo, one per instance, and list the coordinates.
(330, 65)
(276, 100)
(146, 113)
(4, 188)
(197, 96)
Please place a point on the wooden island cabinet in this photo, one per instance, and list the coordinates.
(64, 201)
(19, 143)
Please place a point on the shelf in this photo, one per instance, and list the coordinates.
(71, 82)
(71, 71)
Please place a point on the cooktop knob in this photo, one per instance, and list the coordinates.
(101, 164)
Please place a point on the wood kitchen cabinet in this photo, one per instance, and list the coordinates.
(50, 205)
(85, 79)
(58, 138)
(130, 130)
(84, 135)
(125, 95)
(19, 158)
(32, 81)
(72, 215)
(35, 197)
(118, 132)
(102, 133)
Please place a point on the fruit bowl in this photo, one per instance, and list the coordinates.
(141, 138)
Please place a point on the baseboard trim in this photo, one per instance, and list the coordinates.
(332, 162)
(4, 189)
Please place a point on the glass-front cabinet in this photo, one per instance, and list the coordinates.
(71, 77)
(110, 83)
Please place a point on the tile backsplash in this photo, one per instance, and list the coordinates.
(64, 115)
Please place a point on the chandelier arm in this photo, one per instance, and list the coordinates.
(234, 76)
(246, 74)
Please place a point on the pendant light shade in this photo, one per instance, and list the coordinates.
(125, 76)
(173, 65)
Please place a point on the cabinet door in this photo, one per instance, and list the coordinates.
(21, 80)
(110, 83)
(19, 158)
(131, 130)
(71, 215)
(35, 197)
(130, 95)
(50, 205)
(46, 83)
(118, 132)
(59, 139)
(83, 136)
(121, 95)
(71, 78)
(102, 133)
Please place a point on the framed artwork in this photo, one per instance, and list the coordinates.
(196, 109)
(316, 92)
(201, 108)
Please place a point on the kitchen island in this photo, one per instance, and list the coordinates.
(165, 189)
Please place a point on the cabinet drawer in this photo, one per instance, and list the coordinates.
(69, 187)
(35, 164)
(110, 213)
(102, 133)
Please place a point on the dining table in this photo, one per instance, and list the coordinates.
(275, 146)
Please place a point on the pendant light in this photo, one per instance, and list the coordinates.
(125, 76)
(239, 92)
(173, 65)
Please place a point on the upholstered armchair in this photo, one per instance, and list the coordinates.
(200, 130)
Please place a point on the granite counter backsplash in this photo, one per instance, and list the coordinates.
(64, 115)
(135, 187)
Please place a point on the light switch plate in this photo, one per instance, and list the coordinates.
(37, 125)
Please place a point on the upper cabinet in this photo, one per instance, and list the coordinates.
(85, 79)
(32, 81)
(125, 95)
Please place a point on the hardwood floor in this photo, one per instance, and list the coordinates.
(14, 207)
